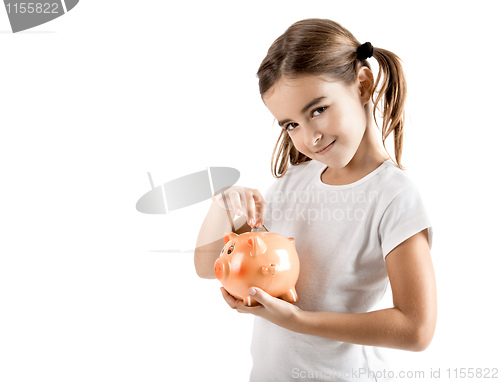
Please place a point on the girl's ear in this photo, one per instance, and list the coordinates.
(365, 84)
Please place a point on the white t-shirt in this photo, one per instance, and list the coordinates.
(342, 235)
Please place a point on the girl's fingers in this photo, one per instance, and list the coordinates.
(243, 201)
(235, 200)
(231, 301)
(218, 200)
(260, 206)
(251, 220)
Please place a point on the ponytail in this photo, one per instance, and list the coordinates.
(392, 96)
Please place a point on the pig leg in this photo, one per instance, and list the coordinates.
(249, 301)
(290, 296)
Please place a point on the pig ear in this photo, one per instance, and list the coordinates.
(292, 240)
(257, 244)
(228, 236)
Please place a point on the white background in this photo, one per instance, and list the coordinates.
(92, 101)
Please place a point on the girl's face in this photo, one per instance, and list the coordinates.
(326, 120)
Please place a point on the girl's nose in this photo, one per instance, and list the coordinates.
(312, 138)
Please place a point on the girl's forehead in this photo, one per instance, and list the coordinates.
(299, 83)
(293, 90)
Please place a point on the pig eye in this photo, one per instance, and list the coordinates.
(231, 248)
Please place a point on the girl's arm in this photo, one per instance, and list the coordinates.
(409, 325)
(211, 239)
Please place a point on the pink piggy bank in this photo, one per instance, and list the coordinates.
(265, 260)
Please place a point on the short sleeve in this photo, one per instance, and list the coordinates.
(404, 217)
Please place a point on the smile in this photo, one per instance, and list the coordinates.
(326, 149)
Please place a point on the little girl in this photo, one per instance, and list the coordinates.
(358, 221)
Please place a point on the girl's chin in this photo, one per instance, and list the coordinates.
(334, 163)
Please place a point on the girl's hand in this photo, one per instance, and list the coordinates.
(273, 309)
(243, 201)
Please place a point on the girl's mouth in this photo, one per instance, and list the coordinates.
(326, 149)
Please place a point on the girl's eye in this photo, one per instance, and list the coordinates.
(320, 110)
(293, 125)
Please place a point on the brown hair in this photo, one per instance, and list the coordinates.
(322, 46)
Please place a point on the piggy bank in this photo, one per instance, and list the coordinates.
(266, 260)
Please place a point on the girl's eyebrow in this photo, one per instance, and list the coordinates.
(312, 103)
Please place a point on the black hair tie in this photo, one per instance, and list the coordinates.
(364, 51)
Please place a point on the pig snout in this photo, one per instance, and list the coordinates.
(221, 269)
